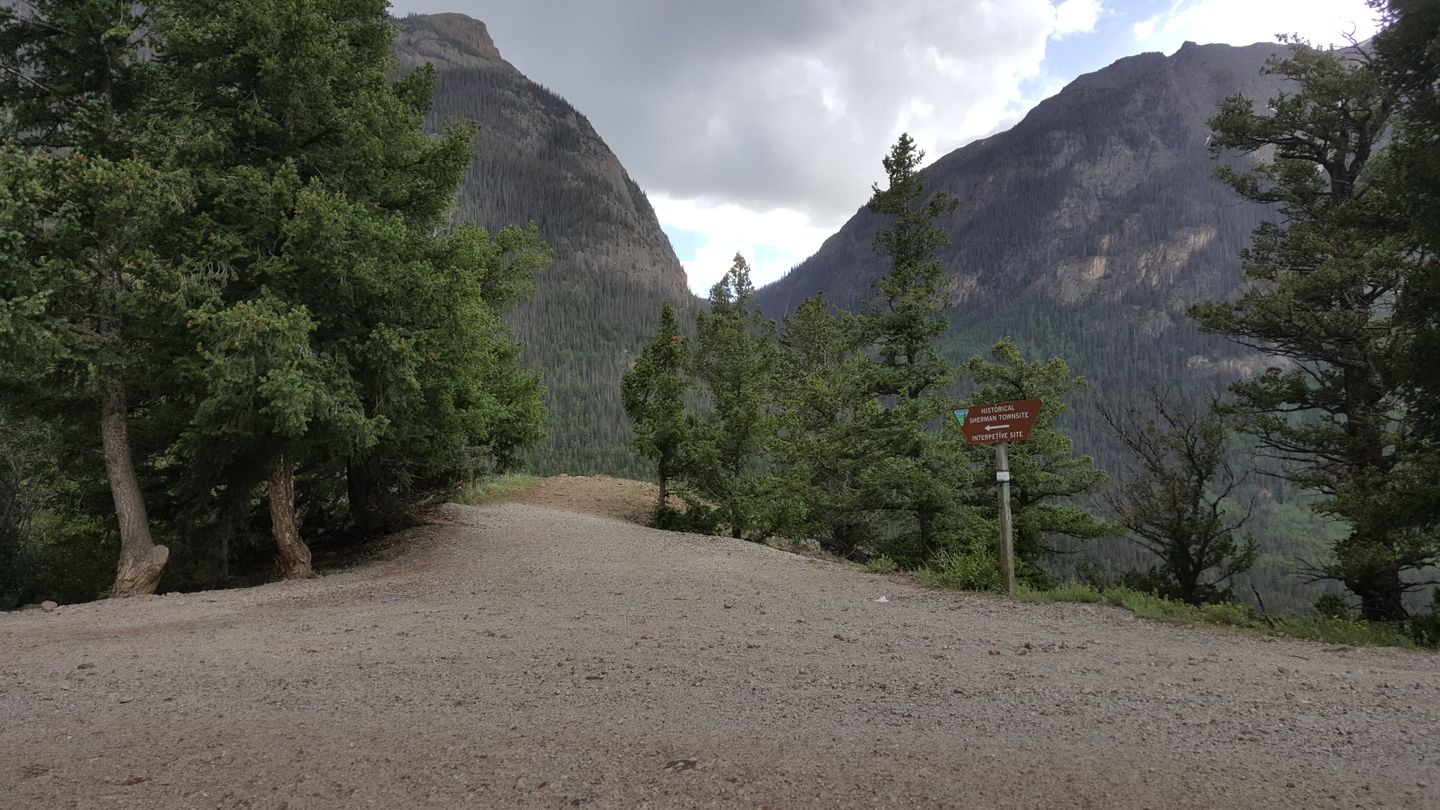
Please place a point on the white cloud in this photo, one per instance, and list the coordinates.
(1145, 29)
(1076, 17)
(778, 105)
(771, 241)
(1241, 22)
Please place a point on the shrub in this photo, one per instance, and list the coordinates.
(696, 516)
(1332, 606)
(1229, 613)
(1425, 627)
(1070, 592)
(881, 565)
(966, 570)
(1356, 632)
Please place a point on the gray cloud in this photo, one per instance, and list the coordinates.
(772, 104)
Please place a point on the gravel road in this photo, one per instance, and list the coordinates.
(528, 657)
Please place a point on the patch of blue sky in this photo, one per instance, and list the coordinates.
(1112, 39)
(685, 243)
(770, 264)
(774, 259)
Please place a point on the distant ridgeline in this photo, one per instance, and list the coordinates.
(538, 160)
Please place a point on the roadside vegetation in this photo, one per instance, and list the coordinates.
(1337, 627)
(494, 488)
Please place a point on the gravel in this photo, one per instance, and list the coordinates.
(523, 656)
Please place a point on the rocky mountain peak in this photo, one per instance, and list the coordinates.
(446, 40)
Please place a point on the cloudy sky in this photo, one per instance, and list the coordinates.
(758, 125)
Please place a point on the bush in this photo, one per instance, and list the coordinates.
(881, 565)
(1356, 632)
(696, 516)
(1229, 613)
(15, 574)
(966, 570)
(1150, 606)
(1332, 606)
(970, 571)
(1070, 592)
(1425, 628)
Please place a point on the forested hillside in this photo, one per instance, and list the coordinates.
(538, 160)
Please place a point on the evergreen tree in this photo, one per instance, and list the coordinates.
(1174, 501)
(88, 202)
(1322, 289)
(734, 360)
(332, 203)
(820, 442)
(908, 375)
(654, 395)
(1045, 473)
(1409, 61)
(263, 391)
(909, 315)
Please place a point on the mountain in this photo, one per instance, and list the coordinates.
(539, 160)
(1088, 228)
(1085, 232)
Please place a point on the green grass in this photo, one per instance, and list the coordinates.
(1342, 631)
(881, 565)
(1149, 606)
(493, 488)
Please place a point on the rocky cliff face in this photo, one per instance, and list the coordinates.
(1088, 228)
(538, 160)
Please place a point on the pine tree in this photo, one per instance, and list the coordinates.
(1322, 287)
(88, 200)
(821, 443)
(264, 390)
(1046, 474)
(734, 361)
(907, 376)
(653, 392)
(1408, 52)
(332, 204)
(909, 315)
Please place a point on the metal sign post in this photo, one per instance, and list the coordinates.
(1007, 538)
(1000, 423)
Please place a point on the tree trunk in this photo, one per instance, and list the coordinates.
(372, 507)
(926, 517)
(1381, 597)
(141, 561)
(294, 554)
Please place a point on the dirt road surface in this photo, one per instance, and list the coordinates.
(530, 657)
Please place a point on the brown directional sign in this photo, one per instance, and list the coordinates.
(998, 422)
